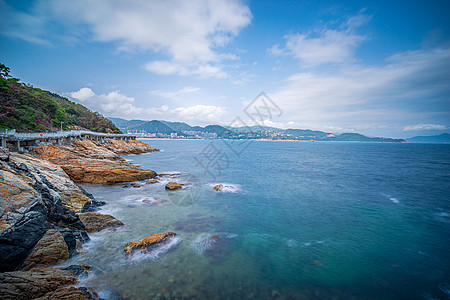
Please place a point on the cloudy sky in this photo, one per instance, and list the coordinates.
(381, 68)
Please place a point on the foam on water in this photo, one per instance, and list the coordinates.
(291, 243)
(393, 199)
(207, 241)
(228, 187)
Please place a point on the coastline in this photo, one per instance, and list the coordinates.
(45, 216)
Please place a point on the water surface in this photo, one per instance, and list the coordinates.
(295, 221)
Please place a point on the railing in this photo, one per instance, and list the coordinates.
(13, 135)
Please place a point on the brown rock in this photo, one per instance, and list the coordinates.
(128, 147)
(50, 250)
(148, 242)
(67, 293)
(173, 186)
(90, 168)
(95, 222)
(152, 181)
(43, 171)
(33, 284)
(136, 184)
(218, 187)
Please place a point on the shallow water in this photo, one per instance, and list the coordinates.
(294, 221)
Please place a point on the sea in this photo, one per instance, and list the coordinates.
(291, 220)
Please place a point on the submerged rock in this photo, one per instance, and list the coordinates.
(82, 271)
(50, 250)
(198, 224)
(218, 187)
(152, 181)
(148, 242)
(95, 222)
(173, 186)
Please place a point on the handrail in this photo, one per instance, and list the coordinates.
(13, 135)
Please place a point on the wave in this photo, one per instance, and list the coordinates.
(393, 199)
(208, 241)
(227, 187)
(291, 243)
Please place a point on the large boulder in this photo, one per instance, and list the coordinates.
(32, 191)
(93, 162)
(147, 243)
(95, 222)
(50, 250)
(173, 186)
(34, 284)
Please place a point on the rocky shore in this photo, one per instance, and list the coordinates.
(45, 215)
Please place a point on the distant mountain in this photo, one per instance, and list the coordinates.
(252, 132)
(30, 109)
(307, 134)
(155, 127)
(125, 125)
(432, 139)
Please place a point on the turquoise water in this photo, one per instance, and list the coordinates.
(294, 221)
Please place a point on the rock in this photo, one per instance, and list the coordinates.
(173, 186)
(136, 184)
(218, 187)
(34, 284)
(92, 162)
(50, 175)
(128, 147)
(152, 181)
(50, 250)
(82, 271)
(95, 222)
(70, 293)
(33, 192)
(4, 154)
(148, 242)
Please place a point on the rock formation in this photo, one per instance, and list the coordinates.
(50, 250)
(93, 162)
(43, 284)
(95, 222)
(173, 186)
(148, 242)
(36, 196)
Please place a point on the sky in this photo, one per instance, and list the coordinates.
(380, 68)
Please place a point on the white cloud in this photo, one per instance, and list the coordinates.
(424, 127)
(325, 46)
(371, 95)
(113, 103)
(187, 33)
(83, 94)
(210, 113)
(174, 94)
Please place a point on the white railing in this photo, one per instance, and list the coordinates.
(13, 135)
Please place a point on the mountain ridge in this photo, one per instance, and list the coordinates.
(252, 132)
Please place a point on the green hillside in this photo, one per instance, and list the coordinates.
(29, 109)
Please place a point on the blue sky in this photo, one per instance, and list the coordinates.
(381, 68)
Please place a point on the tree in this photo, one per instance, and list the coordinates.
(4, 71)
